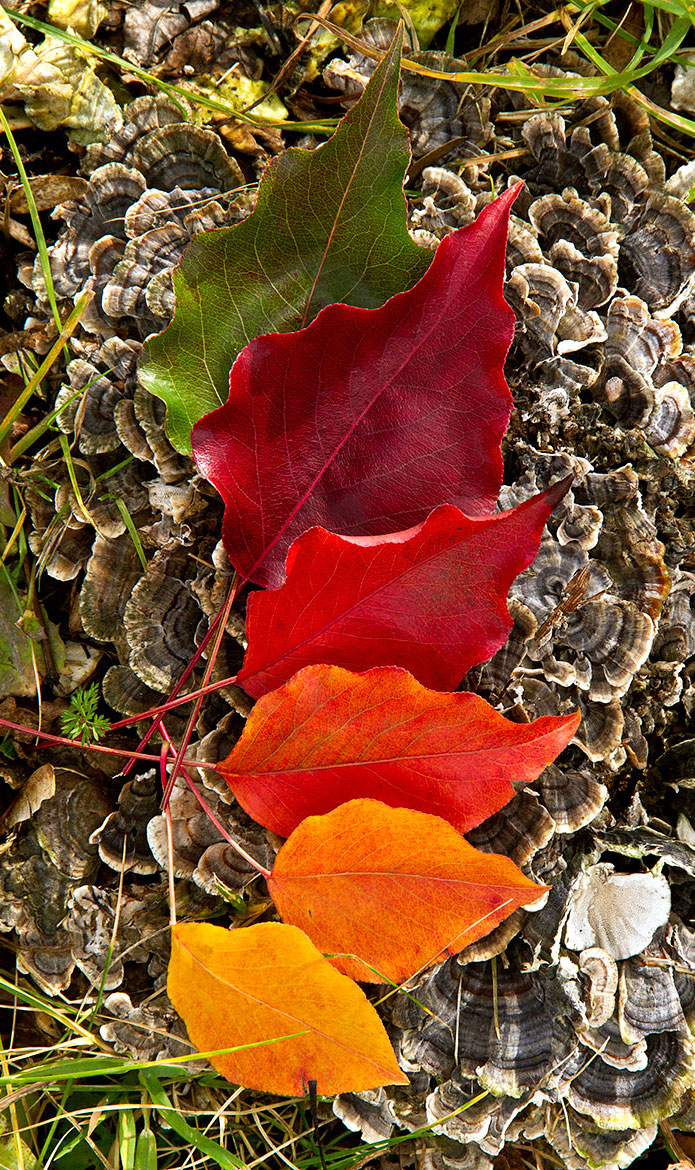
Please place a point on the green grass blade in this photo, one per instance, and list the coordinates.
(146, 1150)
(127, 1138)
(171, 1115)
(65, 331)
(132, 530)
(77, 1068)
(35, 220)
(38, 431)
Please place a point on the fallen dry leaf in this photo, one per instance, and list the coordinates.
(329, 736)
(242, 987)
(392, 889)
(48, 191)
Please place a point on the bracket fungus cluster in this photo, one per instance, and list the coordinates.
(578, 1019)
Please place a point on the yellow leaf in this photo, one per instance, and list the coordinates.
(267, 985)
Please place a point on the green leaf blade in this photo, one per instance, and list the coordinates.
(329, 227)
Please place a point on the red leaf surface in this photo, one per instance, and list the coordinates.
(268, 986)
(329, 736)
(368, 418)
(431, 599)
(392, 889)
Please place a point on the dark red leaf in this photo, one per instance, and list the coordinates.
(369, 418)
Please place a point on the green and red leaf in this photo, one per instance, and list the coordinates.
(329, 226)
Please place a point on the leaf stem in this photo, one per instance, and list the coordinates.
(170, 836)
(181, 682)
(171, 704)
(207, 810)
(54, 740)
(219, 634)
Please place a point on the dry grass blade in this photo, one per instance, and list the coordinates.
(174, 91)
(521, 77)
(34, 382)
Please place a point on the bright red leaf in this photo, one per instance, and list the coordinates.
(329, 736)
(392, 889)
(432, 599)
(369, 418)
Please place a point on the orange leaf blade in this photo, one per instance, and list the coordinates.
(241, 987)
(328, 736)
(397, 888)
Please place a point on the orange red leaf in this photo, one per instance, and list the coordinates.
(268, 985)
(329, 736)
(392, 889)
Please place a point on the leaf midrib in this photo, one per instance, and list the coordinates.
(348, 189)
(255, 770)
(329, 460)
(398, 875)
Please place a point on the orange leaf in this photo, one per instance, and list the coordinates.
(244, 986)
(328, 736)
(400, 889)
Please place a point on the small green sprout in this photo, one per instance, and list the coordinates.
(81, 721)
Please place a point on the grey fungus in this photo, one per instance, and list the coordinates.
(122, 838)
(620, 913)
(160, 618)
(200, 852)
(47, 857)
(601, 971)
